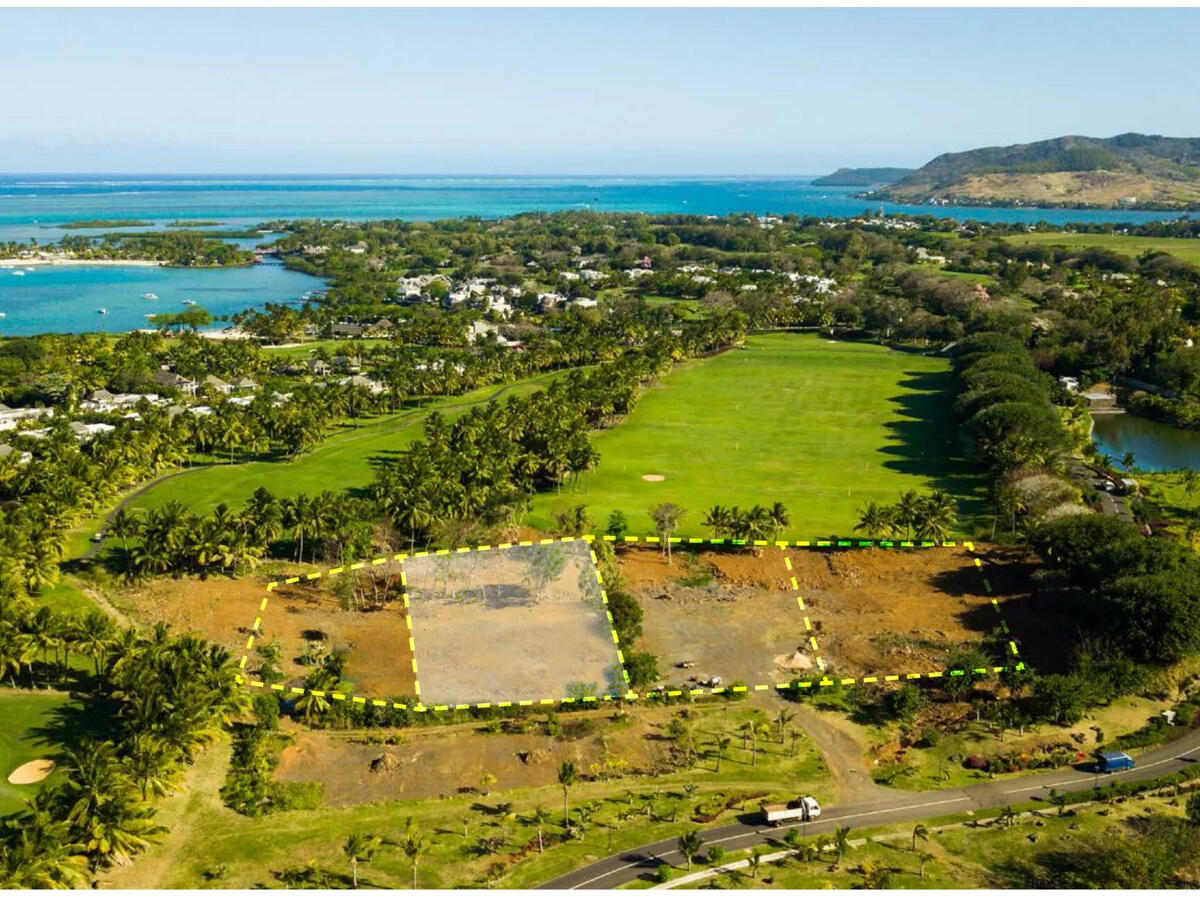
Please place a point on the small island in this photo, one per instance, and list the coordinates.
(105, 223)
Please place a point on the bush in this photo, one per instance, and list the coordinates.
(266, 710)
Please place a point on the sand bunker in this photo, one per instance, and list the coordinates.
(654, 478)
(32, 772)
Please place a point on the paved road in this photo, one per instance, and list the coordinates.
(617, 870)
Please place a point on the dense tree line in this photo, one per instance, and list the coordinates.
(152, 702)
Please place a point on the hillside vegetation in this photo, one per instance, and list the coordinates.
(1148, 171)
(863, 177)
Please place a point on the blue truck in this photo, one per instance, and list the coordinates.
(1113, 762)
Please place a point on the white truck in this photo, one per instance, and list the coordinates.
(802, 809)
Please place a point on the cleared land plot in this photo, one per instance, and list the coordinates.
(726, 614)
(821, 426)
(359, 617)
(511, 624)
(732, 613)
(307, 621)
(1187, 249)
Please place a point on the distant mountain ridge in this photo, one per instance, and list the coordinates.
(845, 177)
(1147, 171)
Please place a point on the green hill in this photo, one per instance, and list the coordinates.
(862, 177)
(1147, 171)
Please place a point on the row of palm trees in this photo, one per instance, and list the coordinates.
(754, 524)
(926, 518)
(172, 539)
(485, 465)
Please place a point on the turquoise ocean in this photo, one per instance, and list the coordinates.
(34, 207)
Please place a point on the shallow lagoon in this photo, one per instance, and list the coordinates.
(67, 298)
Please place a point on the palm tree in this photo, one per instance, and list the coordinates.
(717, 520)
(925, 858)
(722, 744)
(303, 516)
(15, 652)
(690, 845)
(756, 856)
(874, 520)
(415, 843)
(841, 843)
(359, 848)
(782, 719)
(1189, 480)
(906, 511)
(919, 833)
(124, 525)
(149, 764)
(567, 772)
(779, 519)
(539, 818)
(1128, 460)
(935, 516)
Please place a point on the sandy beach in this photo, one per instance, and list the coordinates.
(71, 261)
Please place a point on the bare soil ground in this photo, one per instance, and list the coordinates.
(733, 627)
(372, 630)
(444, 761)
(523, 623)
(219, 609)
(873, 611)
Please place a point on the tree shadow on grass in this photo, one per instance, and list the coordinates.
(927, 444)
(71, 723)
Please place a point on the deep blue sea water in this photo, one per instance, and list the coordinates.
(34, 207)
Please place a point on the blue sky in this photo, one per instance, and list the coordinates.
(576, 91)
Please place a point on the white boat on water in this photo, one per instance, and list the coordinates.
(2, 315)
(102, 311)
(18, 272)
(189, 302)
(149, 296)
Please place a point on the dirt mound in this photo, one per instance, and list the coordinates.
(534, 757)
(386, 762)
(32, 772)
(795, 661)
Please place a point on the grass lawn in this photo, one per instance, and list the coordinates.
(821, 426)
(1187, 249)
(1165, 491)
(23, 714)
(345, 461)
(65, 598)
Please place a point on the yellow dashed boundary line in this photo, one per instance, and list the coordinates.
(630, 694)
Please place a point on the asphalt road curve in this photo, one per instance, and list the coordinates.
(614, 871)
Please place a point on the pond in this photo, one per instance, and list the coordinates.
(1156, 447)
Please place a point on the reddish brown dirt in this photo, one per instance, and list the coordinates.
(874, 612)
(379, 663)
(450, 760)
(224, 609)
(219, 609)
